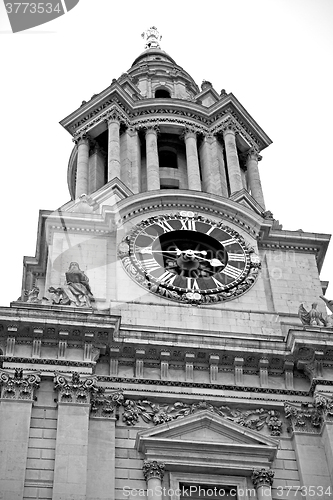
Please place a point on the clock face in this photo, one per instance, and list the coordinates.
(189, 258)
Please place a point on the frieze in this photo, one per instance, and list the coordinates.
(75, 389)
(17, 385)
(155, 413)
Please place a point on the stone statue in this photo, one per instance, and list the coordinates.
(329, 304)
(312, 317)
(33, 296)
(76, 290)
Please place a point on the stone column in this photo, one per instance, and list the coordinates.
(82, 171)
(254, 177)
(153, 472)
(101, 451)
(71, 457)
(153, 173)
(192, 160)
(113, 147)
(130, 159)
(17, 396)
(96, 169)
(262, 480)
(235, 178)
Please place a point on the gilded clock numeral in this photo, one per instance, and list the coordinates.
(225, 243)
(231, 271)
(168, 278)
(210, 230)
(192, 284)
(236, 257)
(188, 225)
(165, 226)
(145, 251)
(217, 283)
(150, 265)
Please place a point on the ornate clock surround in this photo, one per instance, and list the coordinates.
(189, 258)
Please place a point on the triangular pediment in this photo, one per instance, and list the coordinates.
(206, 436)
(244, 198)
(109, 195)
(206, 426)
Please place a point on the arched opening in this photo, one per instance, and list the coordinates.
(162, 94)
(167, 159)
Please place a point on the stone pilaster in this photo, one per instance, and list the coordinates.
(235, 178)
(82, 172)
(238, 367)
(17, 396)
(192, 160)
(113, 123)
(153, 472)
(153, 173)
(213, 367)
(165, 357)
(263, 480)
(254, 178)
(70, 469)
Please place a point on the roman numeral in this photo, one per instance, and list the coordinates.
(225, 243)
(188, 225)
(211, 229)
(168, 278)
(231, 271)
(236, 257)
(165, 226)
(192, 284)
(144, 251)
(217, 283)
(150, 265)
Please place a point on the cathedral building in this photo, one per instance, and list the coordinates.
(171, 340)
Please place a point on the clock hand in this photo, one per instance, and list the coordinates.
(212, 262)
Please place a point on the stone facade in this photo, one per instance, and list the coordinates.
(159, 341)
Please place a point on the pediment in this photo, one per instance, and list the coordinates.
(109, 195)
(208, 97)
(244, 198)
(206, 437)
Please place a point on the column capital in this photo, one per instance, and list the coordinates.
(82, 139)
(153, 469)
(17, 386)
(151, 127)
(189, 132)
(75, 389)
(253, 154)
(114, 116)
(262, 477)
(229, 126)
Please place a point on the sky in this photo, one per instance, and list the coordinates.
(275, 56)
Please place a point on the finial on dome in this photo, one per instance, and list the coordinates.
(152, 38)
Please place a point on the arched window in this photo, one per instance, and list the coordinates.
(167, 159)
(162, 94)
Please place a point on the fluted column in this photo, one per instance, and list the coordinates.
(153, 472)
(153, 173)
(254, 177)
(235, 178)
(82, 172)
(263, 480)
(113, 148)
(192, 160)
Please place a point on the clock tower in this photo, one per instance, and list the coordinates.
(170, 340)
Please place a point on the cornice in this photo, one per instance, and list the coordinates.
(206, 119)
(298, 241)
